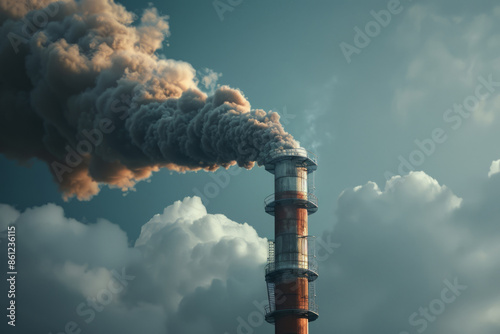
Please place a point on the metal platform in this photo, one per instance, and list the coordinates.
(300, 155)
(308, 310)
(310, 203)
(310, 314)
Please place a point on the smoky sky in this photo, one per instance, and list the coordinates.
(86, 92)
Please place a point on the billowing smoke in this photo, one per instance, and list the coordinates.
(83, 89)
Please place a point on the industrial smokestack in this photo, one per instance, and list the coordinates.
(291, 269)
(84, 91)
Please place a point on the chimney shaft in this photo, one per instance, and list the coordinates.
(291, 270)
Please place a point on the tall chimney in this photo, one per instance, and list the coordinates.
(291, 269)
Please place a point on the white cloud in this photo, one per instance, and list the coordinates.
(7, 216)
(185, 261)
(399, 245)
(196, 272)
(494, 168)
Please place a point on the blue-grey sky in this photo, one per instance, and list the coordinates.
(396, 98)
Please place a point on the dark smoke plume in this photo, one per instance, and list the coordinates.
(83, 89)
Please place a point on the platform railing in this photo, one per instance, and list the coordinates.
(298, 152)
(309, 306)
(308, 197)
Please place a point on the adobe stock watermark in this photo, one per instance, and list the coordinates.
(87, 310)
(425, 315)
(453, 117)
(39, 20)
(223, 6)
(221, 179)
(326, 248)
(363, 37)
(256, 318)
(92, 139)
(285, 116)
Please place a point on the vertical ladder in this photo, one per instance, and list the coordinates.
(270, 253)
